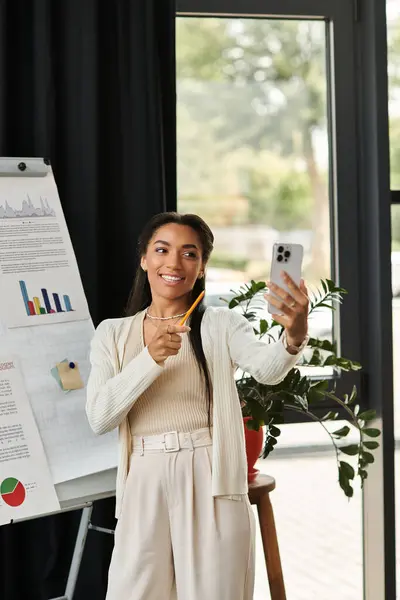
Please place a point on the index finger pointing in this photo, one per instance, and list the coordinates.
(178, 329)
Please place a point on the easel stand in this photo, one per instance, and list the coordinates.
(80, 491)
(84, 526)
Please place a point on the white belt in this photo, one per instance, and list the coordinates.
(172, 441)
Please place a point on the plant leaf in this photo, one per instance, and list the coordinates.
(325, 305)
(330, 284)
(331, 361)
(322, 344)
(371, 432)
(300, 400)
(371, 445)
(316, 358)
(274, 431)
(367, 415)
(321, 385)
(351, 450)
(233, 303)
(353, 396)
(342, 432)
(256, 287)
(348, 469)
(368, 457)
(344, 482)
(316, 392)
(349, 492)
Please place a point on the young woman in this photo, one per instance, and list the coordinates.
(185, 527)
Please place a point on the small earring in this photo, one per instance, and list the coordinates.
(144, 269)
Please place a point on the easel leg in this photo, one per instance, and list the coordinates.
(78, 552)
(77, 555)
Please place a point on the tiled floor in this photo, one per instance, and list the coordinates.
(319, 531)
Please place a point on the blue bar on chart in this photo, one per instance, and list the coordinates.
(25, 297)
(57, 303)
(46, 301)
(67, 303)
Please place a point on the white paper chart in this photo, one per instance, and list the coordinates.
(39, 276)
(26, 486)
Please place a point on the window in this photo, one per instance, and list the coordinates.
(253, 145)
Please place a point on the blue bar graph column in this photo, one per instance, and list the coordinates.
(57, 303)
(25, 296)
(67, 303)
(46, 300)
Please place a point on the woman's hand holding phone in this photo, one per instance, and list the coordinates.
(293, 305)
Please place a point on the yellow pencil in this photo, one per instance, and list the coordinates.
(191, 309)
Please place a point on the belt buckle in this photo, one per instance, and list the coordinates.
(176, 447)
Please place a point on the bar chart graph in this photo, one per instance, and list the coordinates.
(41, 305)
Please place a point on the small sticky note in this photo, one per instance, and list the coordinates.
(70, 376)
(56, 375)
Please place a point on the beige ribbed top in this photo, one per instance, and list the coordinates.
(228, 342)
(176, 400)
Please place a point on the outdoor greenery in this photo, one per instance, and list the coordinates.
(267, 404)
(227, 261)
(253, 128)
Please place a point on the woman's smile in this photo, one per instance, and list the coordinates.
(172, 280)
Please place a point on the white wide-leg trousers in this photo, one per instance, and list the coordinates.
(173, 539)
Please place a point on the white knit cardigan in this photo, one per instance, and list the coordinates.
(228, 342)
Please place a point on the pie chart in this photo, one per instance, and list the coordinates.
(12, 491)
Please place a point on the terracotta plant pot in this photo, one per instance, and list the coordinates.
(254, 443)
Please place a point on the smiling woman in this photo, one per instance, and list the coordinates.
(182, 475)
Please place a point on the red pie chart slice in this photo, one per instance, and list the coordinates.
(12, 491)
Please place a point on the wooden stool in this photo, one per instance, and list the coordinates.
(259, 494)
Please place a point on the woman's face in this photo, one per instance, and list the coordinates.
(173, 261)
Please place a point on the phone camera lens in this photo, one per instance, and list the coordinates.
(287, 254)
(279, 258)
(280, 249)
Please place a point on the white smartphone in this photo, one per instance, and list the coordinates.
(289, 258)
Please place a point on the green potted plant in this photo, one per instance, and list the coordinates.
(265, 406)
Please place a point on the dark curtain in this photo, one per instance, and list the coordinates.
(91, 86)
